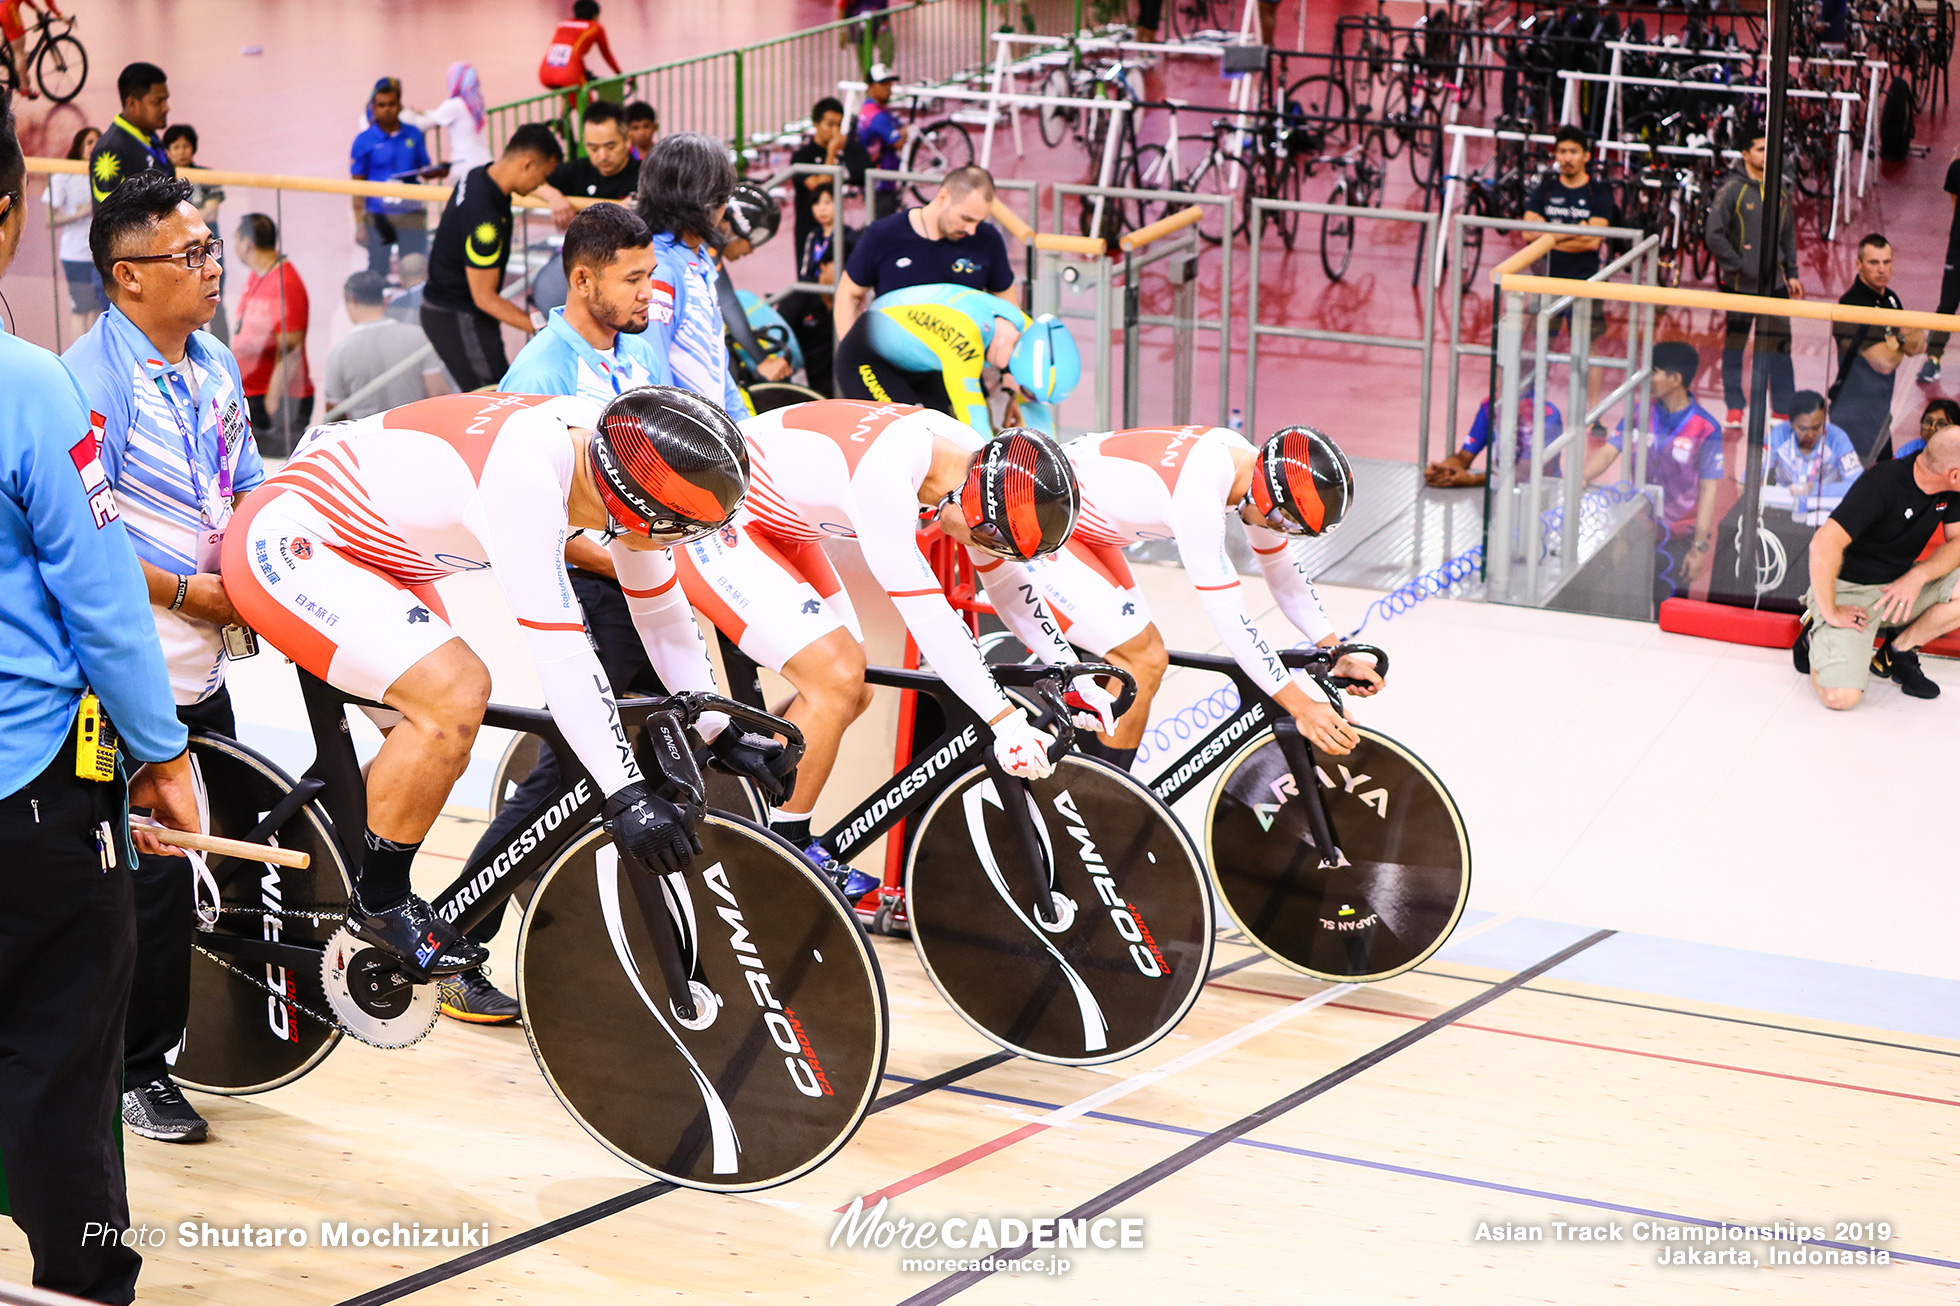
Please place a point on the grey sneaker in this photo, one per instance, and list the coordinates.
(1929, 372)
(158, 1110)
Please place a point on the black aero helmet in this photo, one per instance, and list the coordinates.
(669, 465)
(1302, 484)
(753, 214)
(1020, 499)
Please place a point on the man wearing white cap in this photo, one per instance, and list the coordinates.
(881, 133)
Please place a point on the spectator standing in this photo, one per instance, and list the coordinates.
(1684, 458)
(463, 307)
(70, 206)
(642, 125)
(1810, 455)
(377, 345)
(1572, 196)
(1455, 469)
(175, 445)
(271, 338)
(1938, 413)
(180, 143)
(389, 150)
(948, 241)
(809, 313)
(131, 145)
(607, 172)
(462, 119)
(68, 584)
(881, 134)
(1870, 356)
(873, 38)
(564, 57)
(1950, 278)
(1866, 576)
(830, 145)
(406, 305)
(684, 188)
(1734, 236)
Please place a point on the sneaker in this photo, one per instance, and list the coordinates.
(1929, 372)
(1800, 651)
(1906, 671)
(427, 944)
(158, 1110)
(850, 881)
(1734, 420)
(470, 996)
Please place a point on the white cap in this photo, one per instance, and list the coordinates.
(881, 72)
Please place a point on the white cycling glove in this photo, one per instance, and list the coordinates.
(1092, 706)
(1021, 749)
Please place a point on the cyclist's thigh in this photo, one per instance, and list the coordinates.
(354, 627)
(1094, 596)
(807, 559)
(753, 596)
(863, 374)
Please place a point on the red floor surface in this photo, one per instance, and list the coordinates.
(294, 108)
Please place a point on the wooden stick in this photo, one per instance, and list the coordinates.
(1163, 227)
(1016, 225)
(211, 843)
(1815, 310)
(1090, 245)
(1524, 258)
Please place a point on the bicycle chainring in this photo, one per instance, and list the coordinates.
(370, 996)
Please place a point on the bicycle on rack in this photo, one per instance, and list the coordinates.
(697, 1033)
(1498, 189)
(56, 56)
(1358, 185)
(1349, 869)
(1066, 919)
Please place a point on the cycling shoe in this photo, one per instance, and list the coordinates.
(427, 944)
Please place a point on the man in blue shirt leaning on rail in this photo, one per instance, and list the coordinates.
(74, 618)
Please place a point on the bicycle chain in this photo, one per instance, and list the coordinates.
(288, 913)
(271, 992)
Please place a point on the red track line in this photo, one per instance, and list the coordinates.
(949, 1165)
(1603, 1047)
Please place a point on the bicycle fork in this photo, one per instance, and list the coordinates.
(1033, 868)
(1306, 777)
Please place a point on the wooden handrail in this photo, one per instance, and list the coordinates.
(393, 190)
(1016, 225)
(1093, 246)
(1525, 257)
(1811, 309)
(1162, 227)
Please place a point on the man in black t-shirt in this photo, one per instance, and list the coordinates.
(830, 145)
(1866, 576)
(463, 307)
(1950, 281)
(1869, 356)
(131, 144)
(1572, 196)
(607, 172)
(948, 242)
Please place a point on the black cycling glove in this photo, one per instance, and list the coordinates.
(758, 758)
(656, 833)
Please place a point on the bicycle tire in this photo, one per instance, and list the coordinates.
(1211, 177)
(1283, 183)
(1336, 235)
(767, 396)
(1146, 172)
(735, 1105)
(61, 68)
(1324, 100)
(986, 959)
(1055, 121)
(935, 148)
(1392, 129)
(238, 1039)
(1476, 205)
(1405, 871)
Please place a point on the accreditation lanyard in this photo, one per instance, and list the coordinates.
(212, 512)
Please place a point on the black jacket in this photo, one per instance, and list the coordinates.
(1734, 233)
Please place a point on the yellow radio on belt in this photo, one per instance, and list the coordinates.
(95, 742)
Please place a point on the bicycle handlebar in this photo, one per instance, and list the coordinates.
(694, 703)
(1319, 663)
(1048, 683)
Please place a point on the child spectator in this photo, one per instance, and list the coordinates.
(642, 125)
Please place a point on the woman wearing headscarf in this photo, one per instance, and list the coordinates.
(462, 120)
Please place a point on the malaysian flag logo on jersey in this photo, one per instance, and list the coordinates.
(86, 453)
(661, 309)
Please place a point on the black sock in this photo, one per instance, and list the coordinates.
(384, 872)
(796, 829)
(1120, 758)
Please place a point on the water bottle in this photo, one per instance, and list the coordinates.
(1238, 420)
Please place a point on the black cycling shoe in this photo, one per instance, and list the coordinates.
(1905, 669)
(1800, 651)
(427, 944)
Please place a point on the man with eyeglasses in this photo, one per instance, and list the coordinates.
(170, 415)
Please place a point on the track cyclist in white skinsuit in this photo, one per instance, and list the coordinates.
(877, 473)
(333, 561)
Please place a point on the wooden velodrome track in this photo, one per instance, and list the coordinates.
(1291, 1141)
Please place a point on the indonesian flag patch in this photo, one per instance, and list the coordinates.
(661, 309)
(86, 454)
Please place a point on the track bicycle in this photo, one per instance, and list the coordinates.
(1358, 185)
(56, 57)
(1066, 919)
(1350, 869)
(723, 1029)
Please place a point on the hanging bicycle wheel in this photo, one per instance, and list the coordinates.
(239, 1038)
(787, 1047)
(1056, 120)
(62, 69)
(1212, 176)
(1476, 205)
(1336, 235)
(1124, 955)
(936, 148)
(1404, 871)
(1324, 102)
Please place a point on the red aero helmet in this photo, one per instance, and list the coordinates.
(1020, 499)
(1302, 484)
(669, 465)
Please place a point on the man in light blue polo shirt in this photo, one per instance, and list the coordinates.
(1808, 455)
(388, 150)
(166, 403)
(71, 600)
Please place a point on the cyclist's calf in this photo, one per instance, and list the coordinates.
(830, 694)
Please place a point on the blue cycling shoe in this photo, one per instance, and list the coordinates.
(850, 881)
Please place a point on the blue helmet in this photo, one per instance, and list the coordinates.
(1045, 362)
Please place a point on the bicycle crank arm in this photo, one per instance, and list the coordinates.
(271, 952)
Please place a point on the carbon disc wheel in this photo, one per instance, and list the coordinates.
(779, 1066)
(1119, 952)
(1400, 886)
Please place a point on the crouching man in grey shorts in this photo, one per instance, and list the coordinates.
(1866, 577)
